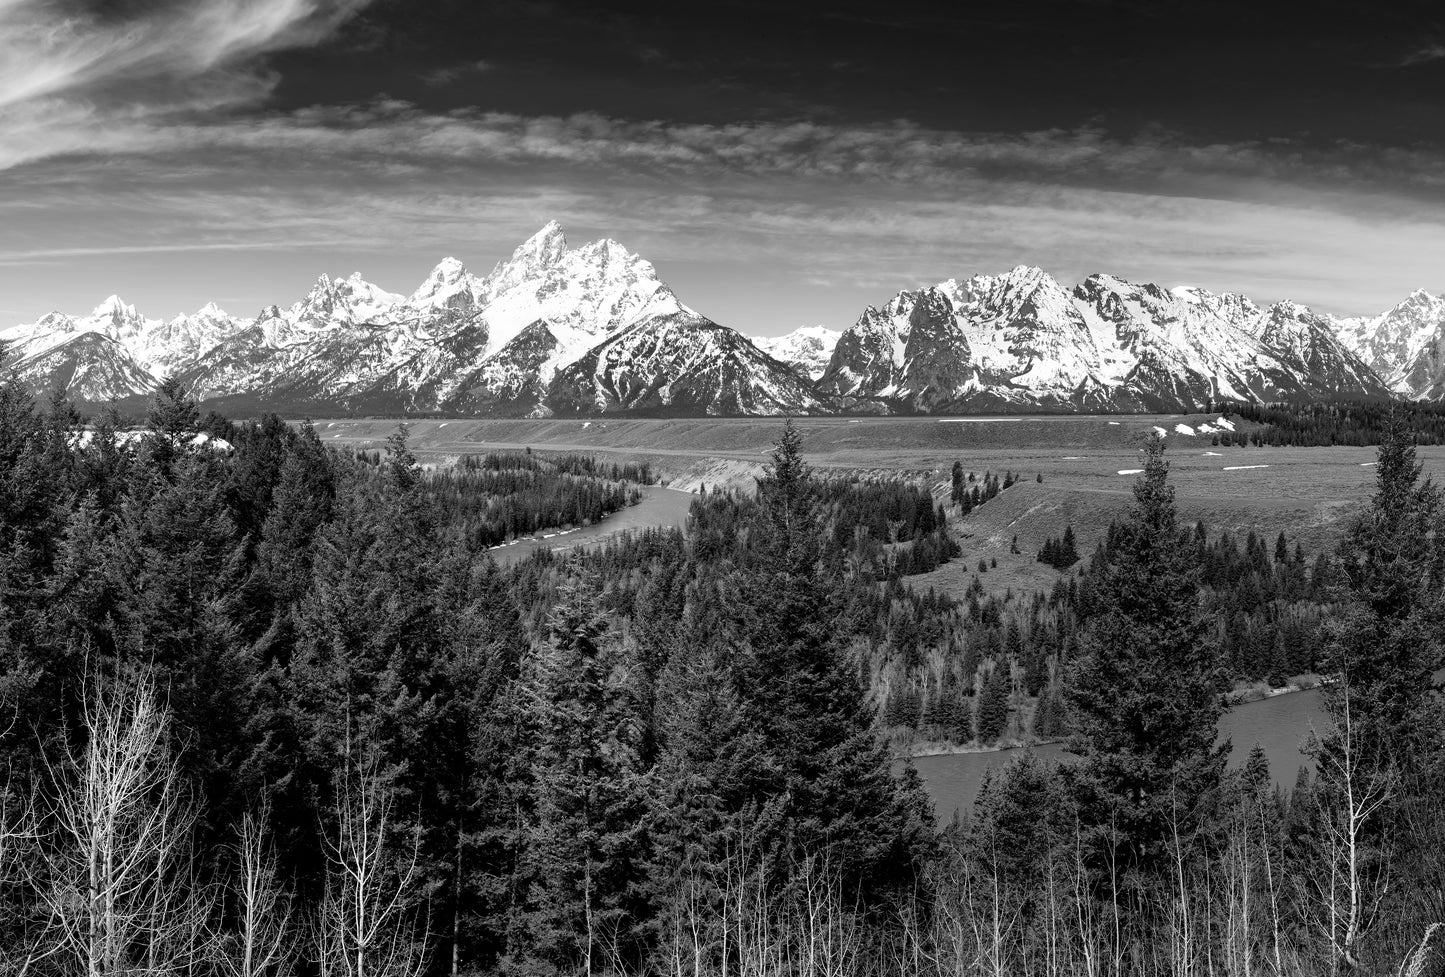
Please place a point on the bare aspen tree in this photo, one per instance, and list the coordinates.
(117, 879)
(264, 943)
(363, 929)
(1181, 919)
(1350, 879)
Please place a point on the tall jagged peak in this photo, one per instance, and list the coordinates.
(932, 302)
(1019, 278)
(546, 246)
(1112, 282)
(213, 311)
(531, 260)
(1289, 309)
(115, 308)
(449, 269)
(1025, 273)
(1420, 299)
(443, 281)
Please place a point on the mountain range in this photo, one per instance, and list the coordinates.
(556, 330)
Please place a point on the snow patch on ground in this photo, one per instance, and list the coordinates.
(1212, 454)
(1240, 468)
(1368, 464)
(1184, 429)
(1214, 427)
(1160, 431)
(1113, 423)
(1131, 471)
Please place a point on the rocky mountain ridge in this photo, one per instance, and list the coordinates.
(560, 330)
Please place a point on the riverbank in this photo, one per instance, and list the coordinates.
(660, 508)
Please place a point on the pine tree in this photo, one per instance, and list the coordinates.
(806, 699)
(1143, 702)
(1388, 641)
(586, 833)
(993, 705)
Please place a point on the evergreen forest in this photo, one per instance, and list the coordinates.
(269, 708)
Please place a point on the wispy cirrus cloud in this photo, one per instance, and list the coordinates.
(821, 216)
(398, 137)
(1434, 51)
(69, 74)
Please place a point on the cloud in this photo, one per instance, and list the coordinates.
(1426, 54)
(397, 137)
(440, 77)
(831, 212)
(67, 76)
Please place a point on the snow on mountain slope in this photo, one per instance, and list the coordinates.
(98, 357)
(456, 339)
(1405, 345)
(1307, 342)
(588, 292)
(554, 328)
(807, 349)
(1020, 339)
(88, 365)
(679, 362)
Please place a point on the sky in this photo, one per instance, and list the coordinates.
(781, 164)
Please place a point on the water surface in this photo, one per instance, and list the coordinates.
(1281, 724)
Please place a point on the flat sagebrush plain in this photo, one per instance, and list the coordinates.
(1088, 465)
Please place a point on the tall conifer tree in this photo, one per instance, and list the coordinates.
(1143, 699)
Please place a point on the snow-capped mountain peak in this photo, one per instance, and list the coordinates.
(532, 258)
(807, 349)
(594, 328)
(345, 300)
(449, 285)
(1405, 345)
(115, 309)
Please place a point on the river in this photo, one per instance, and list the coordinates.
(659, 508)
(1280, 724)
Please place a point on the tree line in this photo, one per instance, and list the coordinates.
(1320, 424)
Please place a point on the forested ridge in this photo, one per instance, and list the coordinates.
(275, 710)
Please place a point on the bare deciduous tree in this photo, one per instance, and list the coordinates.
(363, 928)
(264, 943)
(1350, 876)
(116, 879)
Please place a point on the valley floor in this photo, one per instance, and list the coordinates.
(1087, 463)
